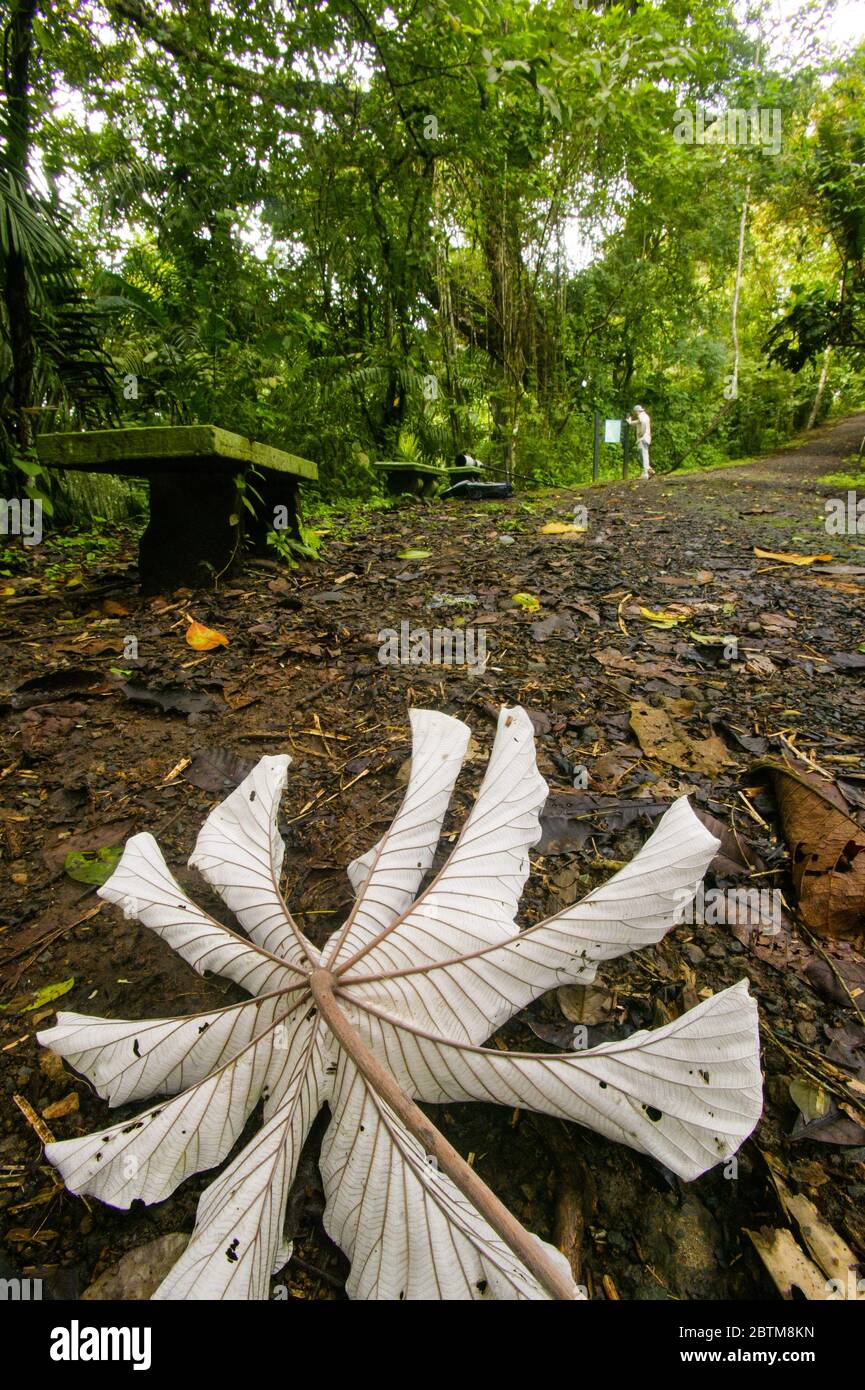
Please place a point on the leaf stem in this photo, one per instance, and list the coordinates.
(527, 1248)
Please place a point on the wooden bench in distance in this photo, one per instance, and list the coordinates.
(198, 521)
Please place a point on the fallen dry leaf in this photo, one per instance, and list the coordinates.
(204, 639)
(827, 849)
(58, 1108)
(663, 738)
(584, 1003)
(663, 617)
(790, 557)
(788, 1265)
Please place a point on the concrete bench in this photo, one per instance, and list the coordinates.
(425, 479)
(465, 472)
(199, 476)
(413, 479)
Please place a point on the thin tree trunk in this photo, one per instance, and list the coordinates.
(734, 321)
(18, 37)
(821, 386)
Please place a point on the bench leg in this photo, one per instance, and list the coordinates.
(194, 534)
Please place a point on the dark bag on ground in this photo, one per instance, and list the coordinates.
(478, 492)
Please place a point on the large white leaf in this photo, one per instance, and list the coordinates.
(633, 909)
(415, 984)
(239, 851)
(130, 1060)
(143, 887)
(239, 1223)
(148, 1156)
(408, 1231)
(688, 1093)
(387, 877)
(470, 906)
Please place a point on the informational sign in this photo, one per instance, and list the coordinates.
(612, 431)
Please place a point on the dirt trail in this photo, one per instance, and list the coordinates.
(303, 673)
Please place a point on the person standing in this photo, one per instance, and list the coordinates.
(643, 422)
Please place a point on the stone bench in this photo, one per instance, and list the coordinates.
(466, 472)
(424, 479)
(199, 477)
(413, 479)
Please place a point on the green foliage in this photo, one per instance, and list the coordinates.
(470, 240)
(289, 548)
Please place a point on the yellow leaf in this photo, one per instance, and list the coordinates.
(25, 1003)
(562, 528)
(204, 639)
(789, 558)
(527, 601)
(661, 618)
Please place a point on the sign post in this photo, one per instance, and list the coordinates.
(596, 452)
(626, 448)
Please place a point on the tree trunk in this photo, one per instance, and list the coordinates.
(18, 49)
(734, 318)
(821, 386)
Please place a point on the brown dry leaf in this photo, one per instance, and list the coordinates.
(840, 586)
(240, 694)
(584, 1003)
(85, 645)
(790, 557)
(759, 664)
(23, 1235)
(58, 1108)
(614, 660)
(736, 855)
(662, 738)
(827, 849)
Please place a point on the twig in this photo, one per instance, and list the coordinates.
(33, 1120)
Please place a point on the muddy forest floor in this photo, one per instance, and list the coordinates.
(83, 766)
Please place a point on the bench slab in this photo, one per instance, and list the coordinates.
(167, 449)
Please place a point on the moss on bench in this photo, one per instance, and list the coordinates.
(164, 448)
